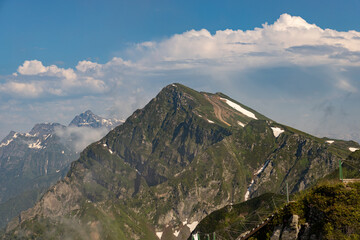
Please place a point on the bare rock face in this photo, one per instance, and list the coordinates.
(288, 232)
(276, 234)
(58, 201)
(304, 232)
(291, 231)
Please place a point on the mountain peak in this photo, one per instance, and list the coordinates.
(44, 128)
(89, 119)
(215, 108)
(88, 112)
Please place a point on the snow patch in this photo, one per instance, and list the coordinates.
(237, 107)
(330, 141)
(247, 194)
(210, 121)
(352, 149)
(240, 123)
(47, 136)
(6, 143)
(29, 135)
(36, 145)
(277, 131)
(106, 146)
(256, 173)
(192, 225)
(10, 140)
(176, 233)
(262, 168)
(159, 234)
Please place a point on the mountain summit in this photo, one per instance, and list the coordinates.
(89, 119)
(182, 156)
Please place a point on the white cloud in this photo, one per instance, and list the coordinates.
(32, 67)
(23, 90)
(35, 67)
(36, 80)
(289, 61)
(84, 66)
(289, 41)
(81, 136)
(97, 85)
(286, 21)
(284, 42)
(345, 85)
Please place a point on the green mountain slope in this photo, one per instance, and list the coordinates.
(229, 222)
(329, 210)
(182, 156)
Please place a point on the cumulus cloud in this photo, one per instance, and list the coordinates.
(289, 41)
(23, 90)
(81, 136)
(84, 66)
(288, 61)
(34, 80)
(35, 67)
(32, 68)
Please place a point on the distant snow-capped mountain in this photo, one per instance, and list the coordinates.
(89, 119)
(31, 162)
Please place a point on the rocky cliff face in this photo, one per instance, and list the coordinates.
(170, 164)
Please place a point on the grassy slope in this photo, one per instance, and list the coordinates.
(231, 220)
(331, 209)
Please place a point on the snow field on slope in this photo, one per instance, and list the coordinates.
(238, 108)
(352, 149)
(277, 131)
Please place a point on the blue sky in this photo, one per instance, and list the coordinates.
(65, 32)
(59, 58)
